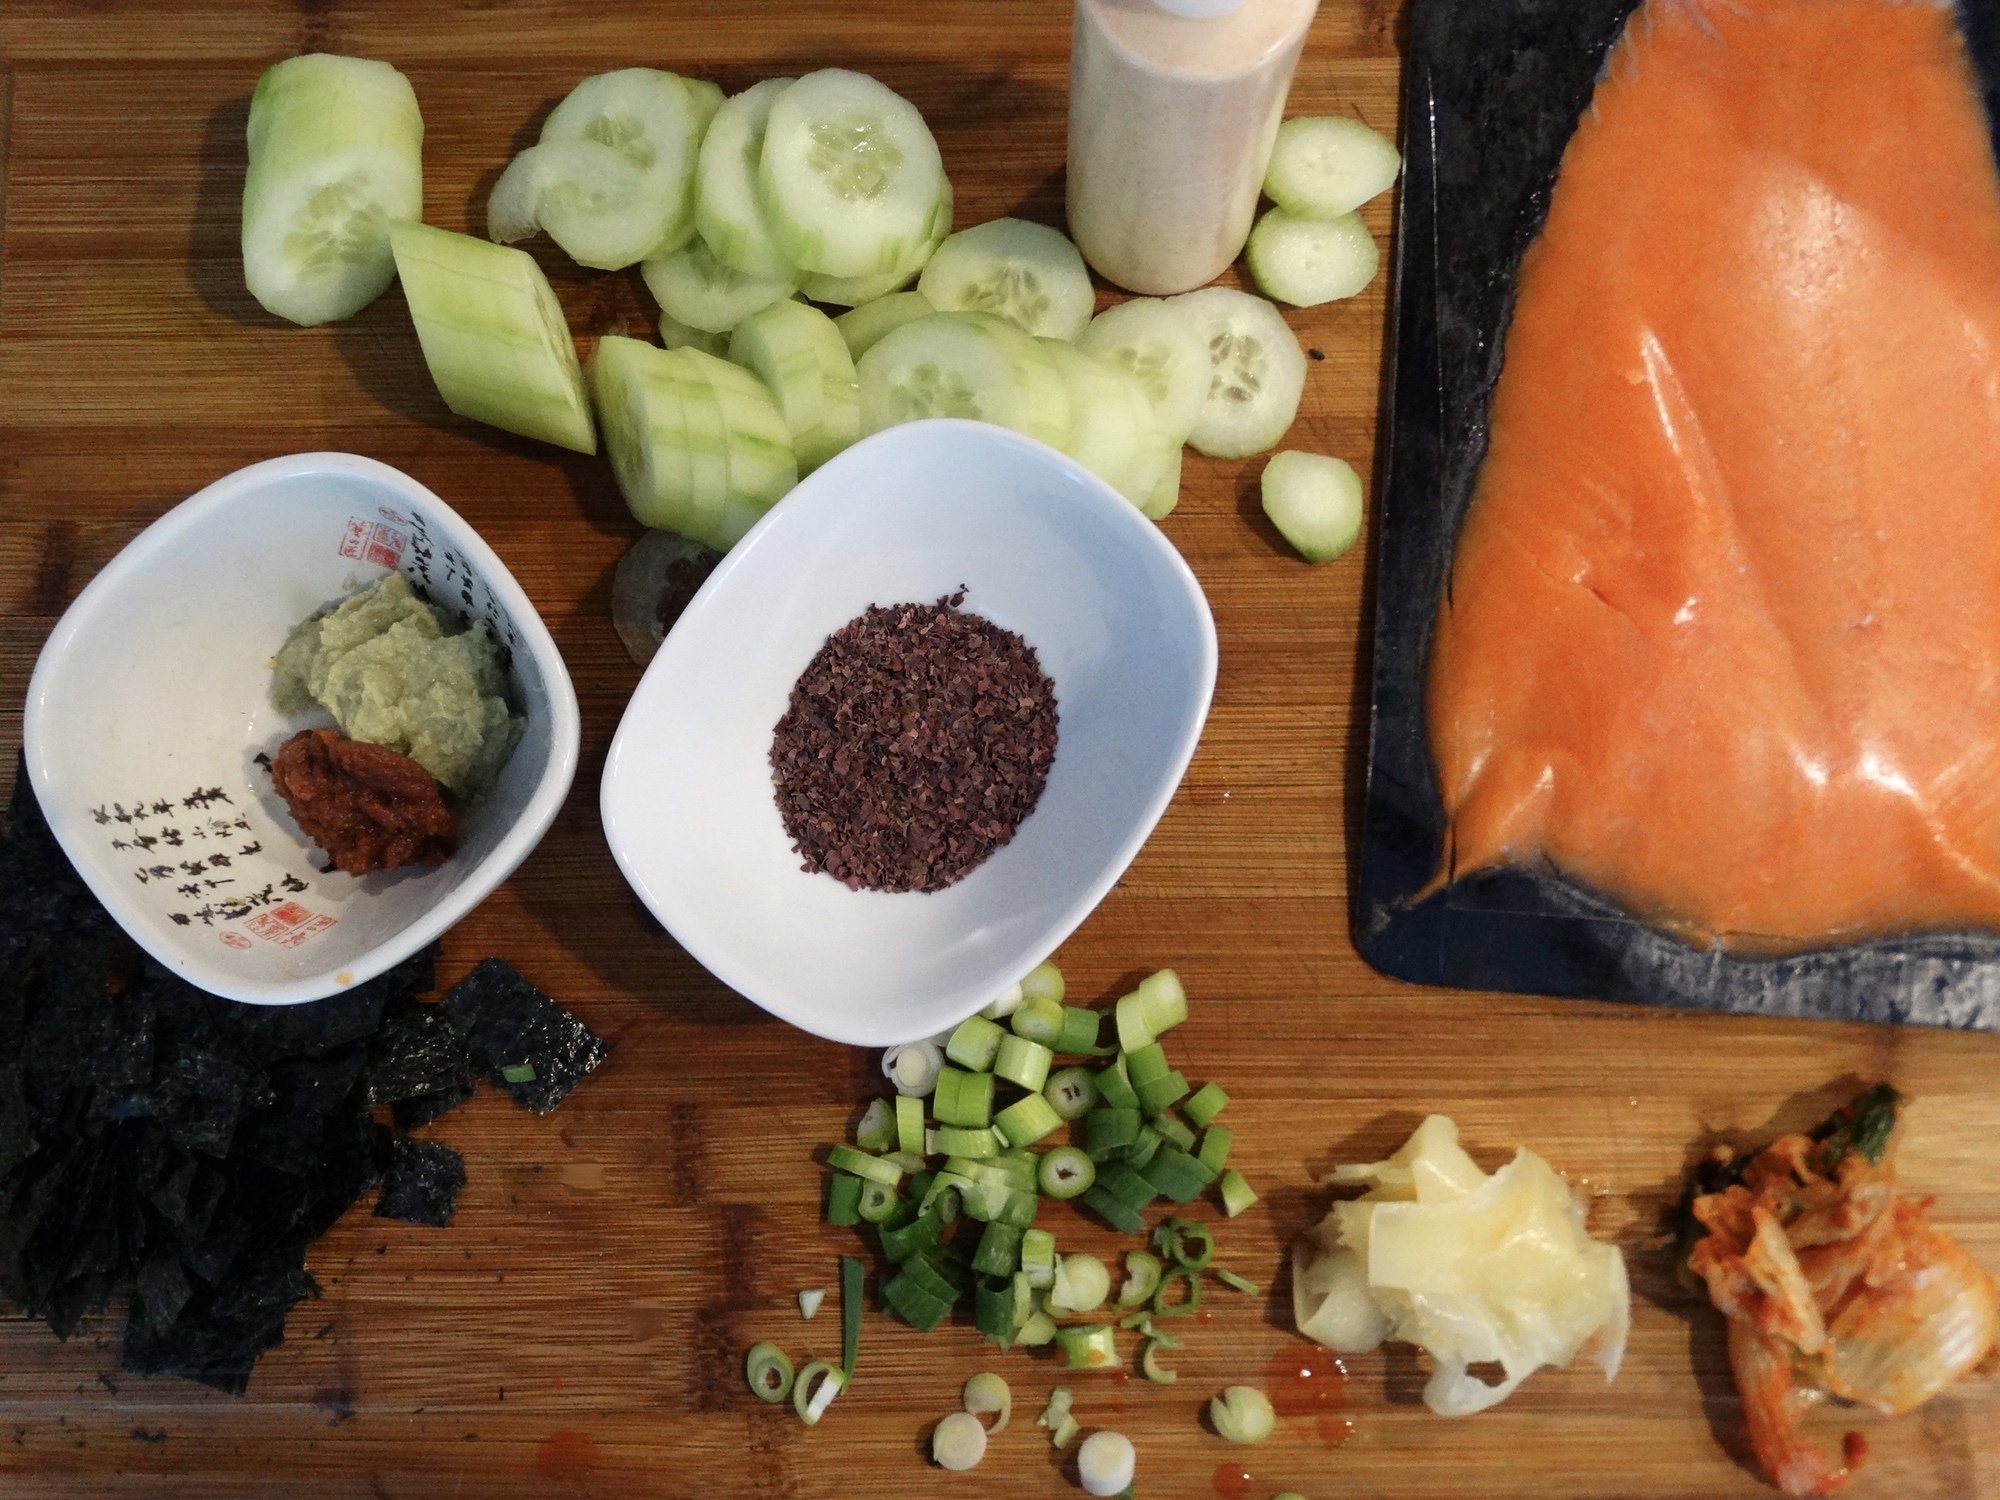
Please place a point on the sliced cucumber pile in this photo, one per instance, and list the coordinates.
(1309, 261)
(727, 210)
(802, 359)
(1155, 343)
(336, 157)
(1027, 273)
(864, 326)
(696, 444)
(853, 291)
(493, 335)
(956, 364)
(612, 178)
(1314, 501)
(1326, 166)
(695, 288)
(1258, 371)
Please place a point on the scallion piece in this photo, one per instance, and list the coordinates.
(1071, 1092)
(1024, 1062)
(1044, 982)
(1038, 1257)
(1242, 1414)
(1040, 1329)
(944, 1095)
(999, 1252)
(958, 1441)
(1082, 1284)
(1018, 1208)
(1237, 1283)
(958, 1140)
(921, 1309)
(986, 1393)
(922, 1233)
(850, 1314)
(1004, 1004)
(1164, 1000)
(974, 1044)
(964, 1099)
(1134, 1031)
(1177, 1175)
(913, 1067)
(1105, 1463)
(928, 1272)
(910, 1124)
(843, 1199)
(1114, 1086)
(1066, 1431)
(1106, 1130)
(810, 1299)
(1177, 1131)
(1237, 1195)
(810, 1401)
(1129, 1187)
(993, 1307)
(877, 1128)
(877, 1202)
(1143, 1149)
(861, 1164)
(1056, 1411)
(1025, 1301)
(769, 1372)
(1147, 1064)
(909, 1161)
(1078, 1035)
(1207, 1103)
(1142, 1277)
(1089, 1346)
(1027, 1120)
(1067, 1172)
(1165, 1307)
(1161, 1094)
(1039, 1021)
(1215, 1144)
(1150, 1367)
(1191, 1244)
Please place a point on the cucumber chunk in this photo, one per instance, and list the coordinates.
(1159, 346)
(1027, 273)
(727, 212)
(1113, 432)
(675, 334)
(1161, 477)
(336, 149)
(1323, 167)
(648, 117)
(800, 356)
(964, 365)
(1259, 371)
(493, 335)
(850, 176)
(1314, 501)
(864, 326)
(853, 291)
(1309, 261)
(694, 288)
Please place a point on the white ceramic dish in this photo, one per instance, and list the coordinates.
(151, 700)
(1043, 548)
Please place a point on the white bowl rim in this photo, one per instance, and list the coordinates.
(565, 732)
(1091, 895)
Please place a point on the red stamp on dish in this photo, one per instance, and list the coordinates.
(373, 541)
(289, 925)
(233, 940)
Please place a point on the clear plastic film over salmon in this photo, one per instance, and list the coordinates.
(1713, 634)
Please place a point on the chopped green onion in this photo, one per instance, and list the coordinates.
(1177, 1175)
(1004, 1005)
(1163, 1308)
(1215, 1144)
(1150, 1367)
(1082, 1284)
(964, 1099)
(877, 1128)
(850, 1313)
(1105, 1463)
(1144, 1149)
(518, 1073)
(957, 1140)
(1067, 1172)
(910, 1124)
(811, 1403)
(1119, 1216)
(958, 1441)
(1038, 1257)
(920, 1234)
(769, 1372)
(1025, 1301)
(1174, 1130)
(1078, 1035)
(1134, 1032)
(843, 1199)
(809, 1302)
(1027, 1120)
(1146, 1064)
(1024, 1062)
(1056, 1411)
(1237, 1195)
(1040, 1329)
(1114, 1086)
(921, 1309)
(1071, 1092)
(1236, 1283)
(1039, 1021)
(999, 1252)
(1127, 1186)
(927, 1271)
(993, 1307)
(1164, 1001)
(974, 1044)
(877, 1202)
(1142, 1277)
(1242, 1414)
(1088, 1346)
(1018, 1208)
(1044, 982)
(861, 1164)
(1207, 1103)
(1106, 1130)
(909, 1161)
(1066, 1431)
(1187, 1243)
(913, 1067)
(1161, 1094)
(987, 1392)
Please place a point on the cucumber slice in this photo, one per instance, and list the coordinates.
(675, 334)
(1314, 501)
(1259, 371)
(865, 325)
(801, 357)
(1156, 344)
(1323, 167)
(335, 157)
(853, 291)
(1309, 261)
(705, 99)
(727, 212)
(493, 335)
(602, 210)
(694, 288)
(850, 177)
(1027, 273)
(758, 444)
(1113, 432)
(964, 365)
(1160, 477)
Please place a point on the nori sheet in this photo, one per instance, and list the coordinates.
(423, 1183)
(521, 1039)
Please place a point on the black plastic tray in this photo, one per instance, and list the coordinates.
(1493, 90)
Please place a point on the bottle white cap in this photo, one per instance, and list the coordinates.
(1200, 10)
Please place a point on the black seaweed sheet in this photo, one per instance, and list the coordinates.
(1493, 91)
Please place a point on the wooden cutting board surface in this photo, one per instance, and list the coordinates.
(578, 1328)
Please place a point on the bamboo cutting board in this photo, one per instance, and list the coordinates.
(578, 1329)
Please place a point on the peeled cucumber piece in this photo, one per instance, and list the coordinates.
(850, 177)
(1027, 273)
(1160, 474)
(493, 335)
(1258, 371)
(1325, 166)
(865, 326)
(964, 365)
(727, 211)
(1113, 432)
(1157, 344)
(1314, 501)
(694, 288)
(336, 157)
(1309, 261)
(803, 361)
(696, 444)
(854, 291)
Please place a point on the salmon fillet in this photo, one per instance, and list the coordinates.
(1722, 638)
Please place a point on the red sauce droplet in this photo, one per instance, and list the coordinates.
(1232, 1481)
(1333, 1431)
(1854, 1448)
(1306, 1382)
(567, 1456)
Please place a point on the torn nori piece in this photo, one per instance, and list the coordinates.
(423, 1183)
(512, 1026)
(417, 1052)
(419, 1110)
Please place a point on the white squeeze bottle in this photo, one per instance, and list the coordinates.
(1173, 105)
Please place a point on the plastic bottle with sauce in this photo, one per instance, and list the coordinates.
(1173, 105)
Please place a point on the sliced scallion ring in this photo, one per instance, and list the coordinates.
(913, 1067)
(986, 1393)
(877, 1202)
(1142, 1278)
(958, 1441)
(1106, 1462)
(1234, 1282)
(1044, 982)
(1152, 1369)
(810, 1401)
(876, 1130)
(769, 1372)
(1066, 1172)
(1242, 1414)
(1071, 1092)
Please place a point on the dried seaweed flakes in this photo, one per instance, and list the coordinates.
(511, 1027)
(418, 1052)
(423, 1183)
